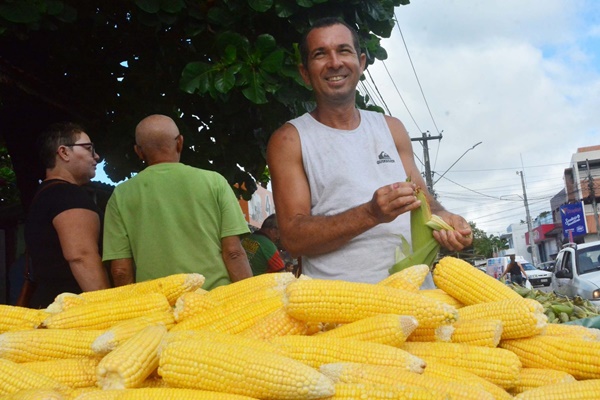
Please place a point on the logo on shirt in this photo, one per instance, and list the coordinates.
(383, 157)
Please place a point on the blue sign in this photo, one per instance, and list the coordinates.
(573, 220)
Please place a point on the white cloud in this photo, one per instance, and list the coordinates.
(521, 77)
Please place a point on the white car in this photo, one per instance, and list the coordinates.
(577, 271)
(537, 277)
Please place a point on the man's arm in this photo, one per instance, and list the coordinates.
(306, 234)
(78, 231)
(122, 271)
(235, 258)
(452, 240)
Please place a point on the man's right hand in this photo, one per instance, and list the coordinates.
(392, 200)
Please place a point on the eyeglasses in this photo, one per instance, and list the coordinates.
(91, 147)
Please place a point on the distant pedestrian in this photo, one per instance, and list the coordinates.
(262, 249)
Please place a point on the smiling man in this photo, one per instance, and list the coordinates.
(339, 173)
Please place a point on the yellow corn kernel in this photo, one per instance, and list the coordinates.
(15, 377)
(386, 375)
(410, 278)
(99, 394)
(244, 289)
(563, 330)
(216, 337)
(578, 357)
(35, 394)
(464, 378)
(73, 372)
(494, 364)
(318, 350)
(372, 391)
(442, 296)
(520, 317)
(319, 300)
(469, 285)
(442, 333)
(120, 332)
(531, 378)
(578, 390)
(131, 363)
(220, 367)
(46, 344)
(222, 319)
(161, 393)
(13, 318)
(192, 303)
(477, 332)
(64, 301)
(390, 329)
(277, 323)
(104, 314)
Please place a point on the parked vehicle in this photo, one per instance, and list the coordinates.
(497, 265)
(577, 271)
(547, 265)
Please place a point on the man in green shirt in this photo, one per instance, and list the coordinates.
(260, 247)
(172, 218)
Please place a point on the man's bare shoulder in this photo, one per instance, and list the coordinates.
(286, 132)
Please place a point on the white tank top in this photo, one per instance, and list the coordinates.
(344, 168)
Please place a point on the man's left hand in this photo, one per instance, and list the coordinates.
(458, 239)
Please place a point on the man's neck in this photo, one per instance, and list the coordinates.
(344, 118)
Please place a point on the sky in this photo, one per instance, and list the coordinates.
(521, 77)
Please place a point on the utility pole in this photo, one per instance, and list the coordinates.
(534, 252)
(593, 197)
(428, 175)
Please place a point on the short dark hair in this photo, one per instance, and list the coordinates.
(58, 134)
(324, 23)
(270, 222)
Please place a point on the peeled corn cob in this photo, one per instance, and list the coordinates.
(15, 377)
(582, 332)
(531, 378)
(390, 329)
(217, 337)
(442, 296)
(371, 391)
(494, 364)
(520, 317)
(477, 332)
(319, 300)
(316, 350)
(46, 344)
(104, 314)
(192, 303)
(247, 288)
(132, 362)
(578, 390)
(469, 285)
(72, 372)
(240, 370)
(277, 323)
(410, 278)
(14, 318)
(161, 394)
(35, 394)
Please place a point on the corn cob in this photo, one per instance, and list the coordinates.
(15, 377)
(464, 378)
(117, 334)
(315, 351)
(221, 319)
(385, 375)
(442, 333)
(104, 314)
(319, 300)
(72, 372)
(35, 394)
(424, 246)
(371, 391)
(578, 390)
(161, 394)
(192, 303)
(98, 394)
(132, 362)
(494, 364)
(46, 344)
(520, 317)
(410, 278)
(64, 301)
(390, 329)
(469, 285)
(215, 337)
(220, 367)
(442, 296)
(13, 318)
(578, 357)
(579, 331)
(245, 289)
(277, 323)
(477, 332)
(531, 378)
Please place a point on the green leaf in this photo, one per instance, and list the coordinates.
(260, 5)
(225, 81)
(305, 3)
(273, 62)
(172, 6)
(285, 9)
(196, 76)
(232, 39)
(21, 12)
(265, 44)
(255, 93)
(150, 6)
(230, 54)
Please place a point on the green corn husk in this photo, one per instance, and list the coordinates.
(424, 246)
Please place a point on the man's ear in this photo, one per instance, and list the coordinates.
(139, 152)
(180, 144)
(304, 73)
(363, 61)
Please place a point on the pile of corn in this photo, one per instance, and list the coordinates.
(277, 337)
